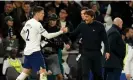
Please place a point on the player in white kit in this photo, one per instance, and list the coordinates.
(31, 33)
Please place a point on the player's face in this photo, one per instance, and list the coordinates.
(88, 19)
(82, 14)
(41, 15)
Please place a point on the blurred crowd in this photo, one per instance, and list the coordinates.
(13, 15)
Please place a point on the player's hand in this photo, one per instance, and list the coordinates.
(67, 46)
(107, 56)
(64, 29)
(128, 76)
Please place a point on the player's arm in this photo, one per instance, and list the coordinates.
(22, 33)
(47, 35)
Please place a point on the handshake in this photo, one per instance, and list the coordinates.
(64, 29)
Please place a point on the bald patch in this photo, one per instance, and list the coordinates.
(117, 20)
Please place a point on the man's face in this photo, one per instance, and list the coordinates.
(63, 14)
(130, 33)
(14, 53)
(10, 23)
(40, 15)
(53, 23)
(27, 8)
(94, 7)
(8, 8)
(88, 19)
(120, 24)
(82, 14)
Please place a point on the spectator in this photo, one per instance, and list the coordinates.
(114, 65)
(128, 59)
(27, 12)
(51, 10)
(57, 5)
(85, 3)
(82, 13)
(63, 19)
(95, 7)
(108, 23)
(8, 29)
(74, 13)
(8, 8)
(12, 61)
(17, 13)
(54, 44)
(66, 3)
(64, 22)
(128, 32)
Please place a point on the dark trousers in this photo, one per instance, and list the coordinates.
(91, 60)
(112, 73)
(79, 70)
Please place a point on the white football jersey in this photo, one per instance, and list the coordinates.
(32, 32)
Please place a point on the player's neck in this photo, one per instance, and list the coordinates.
(36, 18)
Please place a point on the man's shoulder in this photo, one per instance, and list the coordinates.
(98, 22)
(112, 31)
(32, 22)
(82, 23)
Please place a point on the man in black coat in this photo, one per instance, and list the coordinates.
(92, 33)
(113, 66)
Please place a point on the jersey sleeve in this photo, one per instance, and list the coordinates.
(22, 33)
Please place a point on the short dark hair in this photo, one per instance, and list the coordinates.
(90, 12)
(127, 30)
(65, 10)
(37, 9)
(84, 8)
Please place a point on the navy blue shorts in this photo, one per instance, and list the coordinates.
(35, 61)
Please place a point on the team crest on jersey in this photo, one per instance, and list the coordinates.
(28, 25)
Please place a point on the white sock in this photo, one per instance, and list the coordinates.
(22, 76)
(43, 76)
